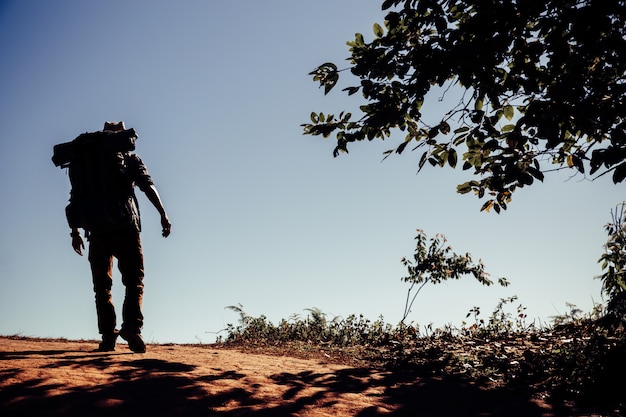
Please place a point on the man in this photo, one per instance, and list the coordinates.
(113, 232)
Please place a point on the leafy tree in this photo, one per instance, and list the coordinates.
(543, 88)
(435, 262)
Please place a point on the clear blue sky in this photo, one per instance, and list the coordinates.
(262, 215)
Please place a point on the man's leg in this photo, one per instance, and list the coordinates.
(130, 264)
(101, 261)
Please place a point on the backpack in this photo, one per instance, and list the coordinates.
(102, 198)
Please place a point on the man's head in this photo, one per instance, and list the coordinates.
(113, 126)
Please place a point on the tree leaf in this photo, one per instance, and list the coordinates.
(422, 161)
(351, 90)
(401, 147)
(525, 178)
(330, 82)
(487, 206)
(459, 140)
(387, 4)
(620, 173)
(433, 132)
(452, 158)
(508, 128)
(464, 188)
(378, 30)
(535, 173)
(509, 112)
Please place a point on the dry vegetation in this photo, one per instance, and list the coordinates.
(577, 360)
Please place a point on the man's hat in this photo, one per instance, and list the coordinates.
(114, 126)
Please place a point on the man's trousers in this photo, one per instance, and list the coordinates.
(126, 247)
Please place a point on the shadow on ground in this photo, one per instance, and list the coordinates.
(139, 386)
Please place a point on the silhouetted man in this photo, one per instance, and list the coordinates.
(104, 173)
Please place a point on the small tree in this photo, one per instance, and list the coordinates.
(614, 262)
(435, 262)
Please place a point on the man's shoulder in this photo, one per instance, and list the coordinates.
(132, 156)
(132, 159)
(136, 169)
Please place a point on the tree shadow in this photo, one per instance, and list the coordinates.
(407, 394)
(157, 387)
(138, 387)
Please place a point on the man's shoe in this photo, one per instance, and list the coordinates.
(135, 342)
(108, 343)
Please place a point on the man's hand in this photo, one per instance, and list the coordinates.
(166, 225)
(77, 243)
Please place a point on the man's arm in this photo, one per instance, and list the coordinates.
(142, 179)
(153, 195)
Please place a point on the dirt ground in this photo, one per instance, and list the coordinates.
(40, 377)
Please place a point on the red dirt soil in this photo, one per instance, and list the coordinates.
(66, 378)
